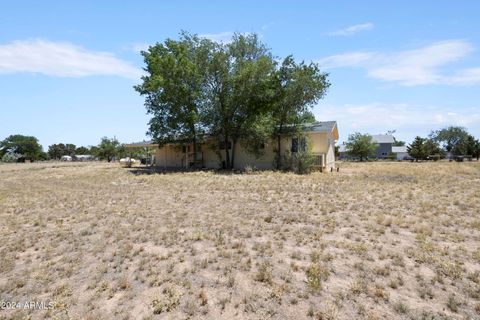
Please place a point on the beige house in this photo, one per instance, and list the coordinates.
(321, 137)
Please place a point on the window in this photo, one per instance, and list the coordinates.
(294, 145)
(298, 145)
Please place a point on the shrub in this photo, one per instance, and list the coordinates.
(303, 162)
(11, 157)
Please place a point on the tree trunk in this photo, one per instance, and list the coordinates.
(232, 161)
(279, 152)
(227, 154)
(194, 141)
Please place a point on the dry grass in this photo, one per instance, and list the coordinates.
(375, 241)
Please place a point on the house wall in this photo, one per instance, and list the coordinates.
(169, 157)
(401, 155)
(172, 156)
(383, 150)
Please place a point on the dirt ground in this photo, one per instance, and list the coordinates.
(374, 241)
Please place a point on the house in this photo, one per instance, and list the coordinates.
(321, 137)
(400, 152)
(384, 144)
(383, 147)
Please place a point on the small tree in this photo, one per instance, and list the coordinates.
(27, 146)
(360, 145)
(417, 149)
(298, 86)
(108, 148)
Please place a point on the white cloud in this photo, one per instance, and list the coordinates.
(352, 59)
(224, 37)
(411, 67)
(408, 120)
(218, 37)
(137, 47)
(351, 30)
(61, 59)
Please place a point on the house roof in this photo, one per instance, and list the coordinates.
(318, 126)
(140, 144)
(400, 149)
(383, 138)
(322, 126)
(342, 148)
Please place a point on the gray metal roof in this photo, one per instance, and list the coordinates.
(400, 149)
(382, 138)
(320, 126)
(342, 148)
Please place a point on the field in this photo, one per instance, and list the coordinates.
(374, 241)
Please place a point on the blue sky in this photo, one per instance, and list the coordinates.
(67, 68)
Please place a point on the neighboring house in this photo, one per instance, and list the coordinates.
(384, 147)
(321, 137)
(342, 152)
(384, 144)
(400, 152)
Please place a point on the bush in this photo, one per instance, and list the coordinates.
(303, 162)
(11, 157)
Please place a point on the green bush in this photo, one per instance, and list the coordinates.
(303, 162)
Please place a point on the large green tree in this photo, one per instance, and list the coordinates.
(360, 145)
(417, 149)
(173, 88)
(26, 146)
(297, 87)
(233, 91)
(453, 139)
(238, 91)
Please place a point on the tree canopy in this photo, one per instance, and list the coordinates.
(26, 147)
(453, 139)
(235, 91)
(109, 148)
(360, 145)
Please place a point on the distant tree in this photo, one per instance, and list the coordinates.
(93, 150)
(475, 148)
(431, 148)
(27, 146)
(398, 143)
(453, 139)
(70, 149)
(56, 151)
(82, 150)
(108, 148)
(417, 149)
(360, 145)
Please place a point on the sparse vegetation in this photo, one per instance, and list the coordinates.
(374, 241)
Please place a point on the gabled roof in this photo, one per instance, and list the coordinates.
(322, 126)
(383, 138)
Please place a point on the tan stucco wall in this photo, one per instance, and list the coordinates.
(318, 142)
(172, 157)
(169, 157)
